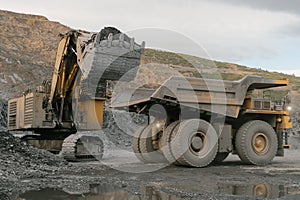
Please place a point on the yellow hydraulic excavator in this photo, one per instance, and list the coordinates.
(74, 99)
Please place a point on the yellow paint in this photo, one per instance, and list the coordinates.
(283, 81)
(267, 112)
(286, 122)
(91, 114)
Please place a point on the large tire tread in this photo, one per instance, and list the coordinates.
(148, 153)
(135, 143)
(166, 140)
(183, 153)
(242, 142)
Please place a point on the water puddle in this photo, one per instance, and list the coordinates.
(107, 192)
(261, 190)
(101, 192)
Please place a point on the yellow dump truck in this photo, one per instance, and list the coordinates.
(197, 121)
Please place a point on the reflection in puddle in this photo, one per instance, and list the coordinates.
(259, 190)
(108, 192)
(102, 192)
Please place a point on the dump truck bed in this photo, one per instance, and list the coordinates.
(205, 94)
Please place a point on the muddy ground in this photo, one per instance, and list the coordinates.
(29, 173)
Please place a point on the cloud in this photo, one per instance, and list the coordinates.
(290, 72)
(290, 30)
(233, 33)
(289, 6)
(247, 31)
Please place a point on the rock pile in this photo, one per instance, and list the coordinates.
(19, 160)
(3, 114)
(120, 126)
(294, 133)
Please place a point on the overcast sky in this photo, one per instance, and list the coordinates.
(257, 33)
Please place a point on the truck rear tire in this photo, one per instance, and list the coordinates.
(256, 142)
(135, 142)
(166, 140)
(195, 143)
(148, 152)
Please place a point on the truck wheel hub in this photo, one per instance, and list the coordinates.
(197, 142)
(260, 190)
(260, 143)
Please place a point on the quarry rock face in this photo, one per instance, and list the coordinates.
(27, 51)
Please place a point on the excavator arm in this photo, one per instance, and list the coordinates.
(63, 78)
(84, 63)
(74, 100)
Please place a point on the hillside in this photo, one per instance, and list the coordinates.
(188, 64)
(29, 42)
(28, 47)
(27, 50)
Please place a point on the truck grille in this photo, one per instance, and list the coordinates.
(262, 104)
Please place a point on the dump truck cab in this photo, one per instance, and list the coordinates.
(206, 119)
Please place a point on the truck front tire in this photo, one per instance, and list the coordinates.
(256, 142)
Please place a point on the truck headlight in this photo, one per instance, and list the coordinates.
(158, 125)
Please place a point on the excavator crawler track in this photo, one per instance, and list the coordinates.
(82, 147)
